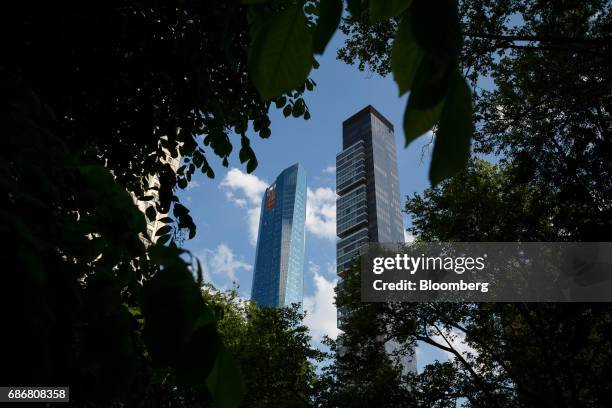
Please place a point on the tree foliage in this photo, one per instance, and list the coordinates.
(549, 64)
(548, 118)
(272, 346)
(501, 354)
(95, 100)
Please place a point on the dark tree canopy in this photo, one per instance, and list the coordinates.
(95, 98)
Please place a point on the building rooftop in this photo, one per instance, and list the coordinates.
(366, 110)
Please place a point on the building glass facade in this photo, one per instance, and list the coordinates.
(368, 203)
(279, 261)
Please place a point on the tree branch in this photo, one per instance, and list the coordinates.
(598, 42)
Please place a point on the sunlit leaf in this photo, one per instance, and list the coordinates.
(405, 57)
(419, 121)
(280, 54)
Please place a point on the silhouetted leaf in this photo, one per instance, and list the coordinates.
(225, 381)
(355, 8)
(151, 213)
(329, 19)
(452, 145)
(383, 9)
(162, 240)
(251, 165)
(179, 210)
(431, 82)
(435, 26)
(406, 56)
(199, 355)
(171, 305)
(419, 121)
(163, 230)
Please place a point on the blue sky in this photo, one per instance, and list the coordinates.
(226, 208)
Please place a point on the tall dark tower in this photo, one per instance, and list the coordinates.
(368, 203)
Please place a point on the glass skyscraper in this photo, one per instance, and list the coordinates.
(368, 204)
(279, 261)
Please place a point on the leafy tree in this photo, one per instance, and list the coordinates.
(549, 63)
(547, 118)
(273, 348)
(527, 355)
(361, 373)
(95, 98)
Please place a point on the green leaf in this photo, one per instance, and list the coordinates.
(199, 355)
(280, 53)
(172, 303)
(452, 145)
(406, 57)
(192, 230)
(435, 26)
(355, 8)
(418, 122)
(329, 19)
(431, 81)
(163, 230)
(225, 381)
(383, 9)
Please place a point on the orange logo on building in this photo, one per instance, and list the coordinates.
(270, 197)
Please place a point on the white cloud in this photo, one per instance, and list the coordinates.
(321, 316)
(408, 237)
(192, 184)
(321, 212)
(221, 262)
(330, 170)
(251, 186)
(245, 190)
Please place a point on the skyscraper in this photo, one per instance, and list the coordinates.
(368, 204)
(367, 185)
(279, 260)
